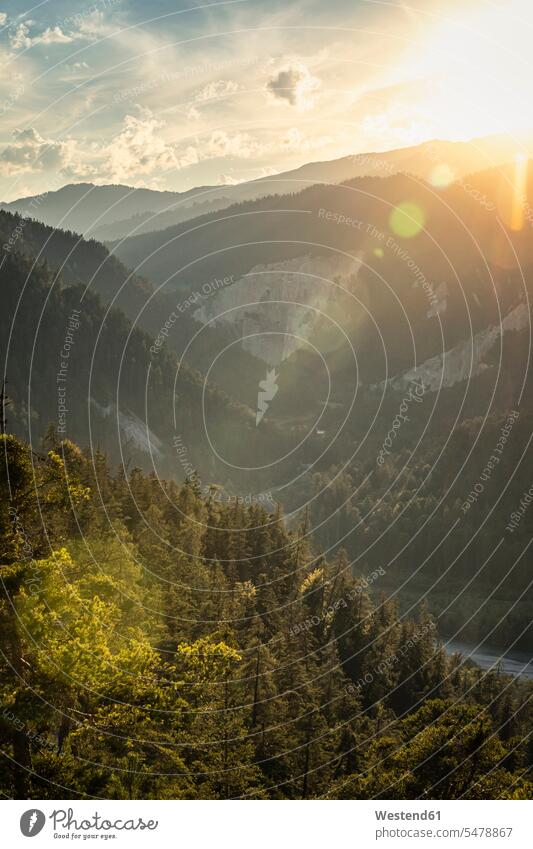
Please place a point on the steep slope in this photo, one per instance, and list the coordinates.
(77, 260)
(88, 263)
(71, 363)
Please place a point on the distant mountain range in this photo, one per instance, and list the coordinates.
(297, 249)
(112, 212)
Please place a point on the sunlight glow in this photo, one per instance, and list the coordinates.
(519, 194)
(480, 65)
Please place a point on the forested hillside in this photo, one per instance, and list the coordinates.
(441, 522)
(75, 260)
(163, 645)
(460, 228)
(72, 363)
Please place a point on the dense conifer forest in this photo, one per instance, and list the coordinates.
(160, 643)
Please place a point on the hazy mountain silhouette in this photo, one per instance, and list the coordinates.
(111, 212)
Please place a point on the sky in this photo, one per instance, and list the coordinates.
(172, 95)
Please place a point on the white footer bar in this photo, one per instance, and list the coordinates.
(265, 825)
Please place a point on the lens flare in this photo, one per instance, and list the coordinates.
(407, 220)
(441, 176)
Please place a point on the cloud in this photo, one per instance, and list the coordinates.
(192, 113)
(267, 171)
(240, 145)
(227, 180)
(140, 149)
(187, 157)
(295, 85)
(295, 140)
(75, 67)
(92, 23)
(31, 152)
(3, 18)
(54, 35)
(392, 129)
(220, 88)
(20, 37)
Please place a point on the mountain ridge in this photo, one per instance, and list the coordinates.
(147, 210)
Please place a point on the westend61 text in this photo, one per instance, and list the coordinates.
(407, 815)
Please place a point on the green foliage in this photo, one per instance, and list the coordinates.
(154, 647)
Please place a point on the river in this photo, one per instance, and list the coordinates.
(512, 662)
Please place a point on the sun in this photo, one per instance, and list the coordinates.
(478, 70)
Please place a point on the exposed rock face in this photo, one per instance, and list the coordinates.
(465, 360)
(130, 426)
(274, 308)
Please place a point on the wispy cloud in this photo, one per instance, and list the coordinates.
(120, 90)
(21, 38)
(216, 89)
